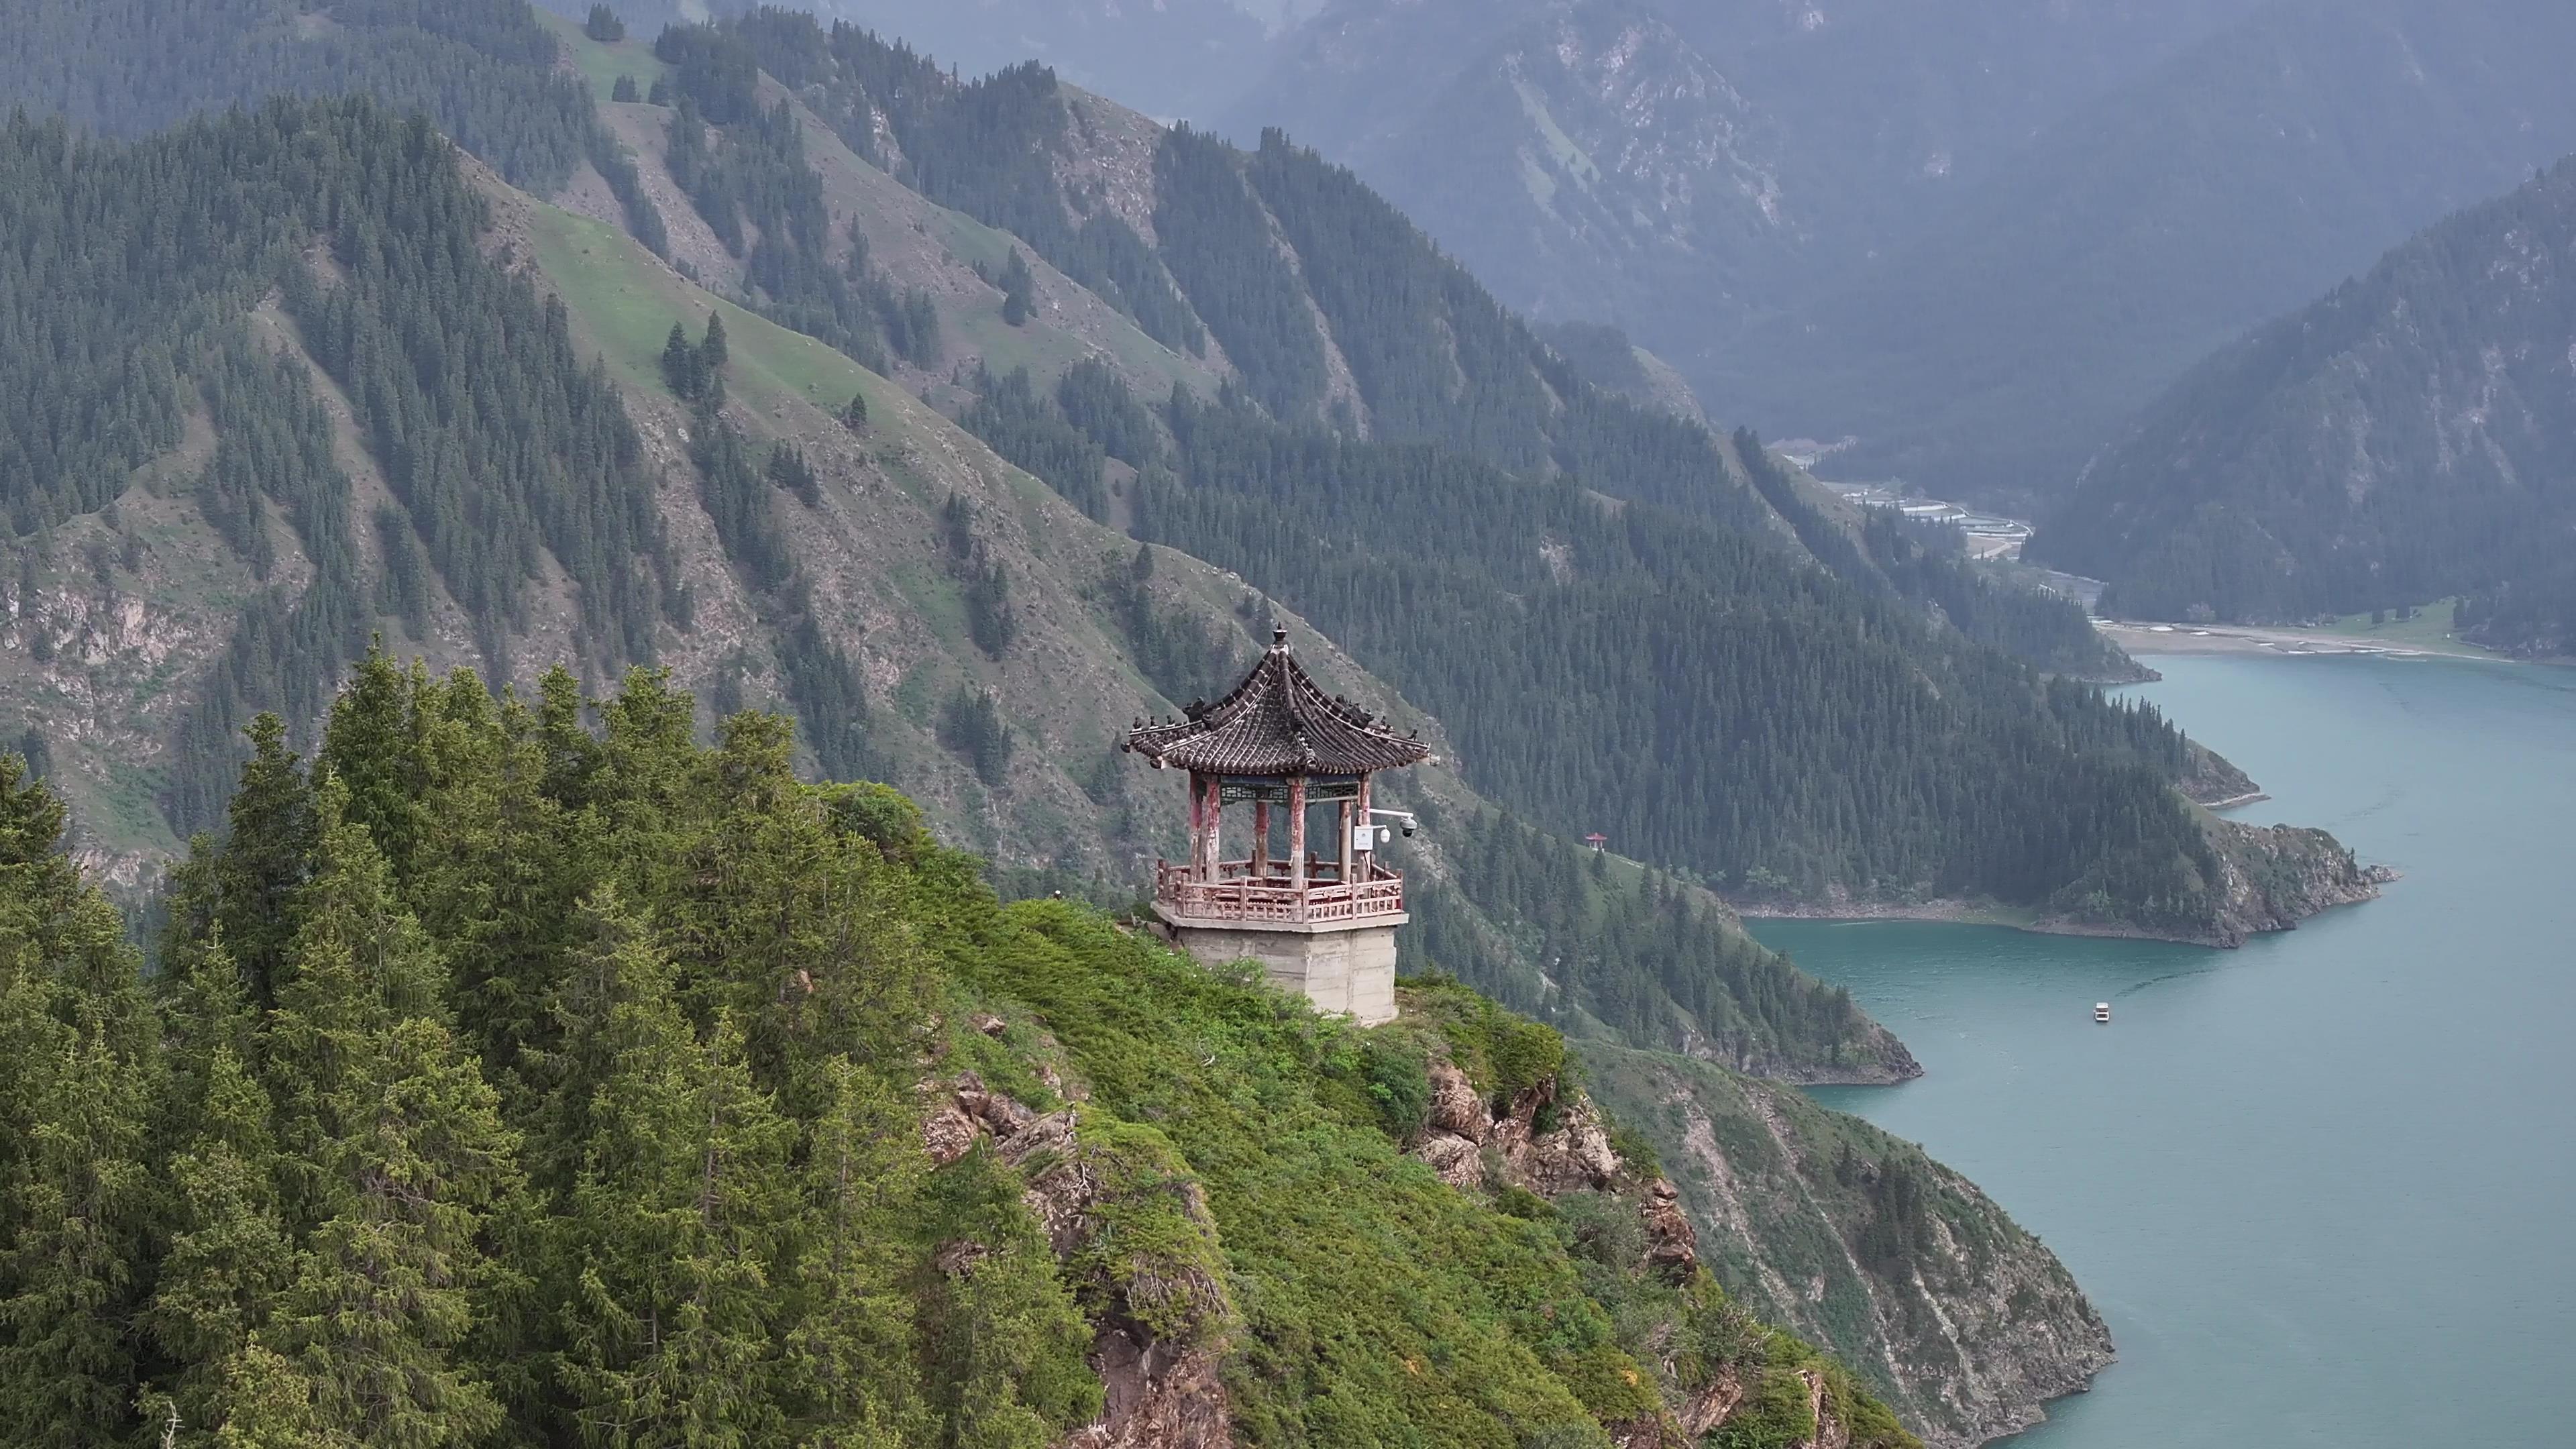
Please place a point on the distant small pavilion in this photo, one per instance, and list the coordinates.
(1597, 840)
(1318, 922)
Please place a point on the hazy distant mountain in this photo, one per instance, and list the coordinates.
(2033, 312)
(1976, 235)
(1167, 58)
(2408, 438)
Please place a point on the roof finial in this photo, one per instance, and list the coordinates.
(1278, 636)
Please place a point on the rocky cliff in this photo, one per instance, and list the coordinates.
(2274, 876)
(1898, 1266)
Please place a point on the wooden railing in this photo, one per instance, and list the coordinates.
(1238, 895)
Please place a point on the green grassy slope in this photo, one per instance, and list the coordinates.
(1450, 1310)
(602, 62)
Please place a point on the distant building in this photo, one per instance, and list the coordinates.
(1597, 841)
(1323, 924)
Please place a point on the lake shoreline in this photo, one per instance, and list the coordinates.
(1962, 913)
(2299, 1232)
(1976, 913)
(2250, 797)
(2283, 642)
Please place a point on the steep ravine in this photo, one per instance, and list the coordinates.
(1896, 1265)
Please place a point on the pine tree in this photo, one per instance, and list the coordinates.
(572, 756)
(788, 469)
(267, 1404)
(228, 1257)
(604, 25)
(712, 351)
(374, 748)
(358, 964)
(399, 1157)
(855, 416)
(79, 1070)
(380, 1308)
(501, 891)
(1018, 288)
(680, 364)
(259, 872)
(853, 1341)
(624, 91)
(35, 876)
(676, 1226)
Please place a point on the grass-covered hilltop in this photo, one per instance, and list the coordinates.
(507, 1078)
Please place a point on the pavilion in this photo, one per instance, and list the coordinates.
(1319, 921)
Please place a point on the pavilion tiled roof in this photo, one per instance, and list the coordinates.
(1277, 722)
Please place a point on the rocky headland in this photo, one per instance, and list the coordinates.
(1905, 1271)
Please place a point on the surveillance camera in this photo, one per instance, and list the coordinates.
(1408, 830)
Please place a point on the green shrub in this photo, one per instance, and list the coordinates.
(880, 814)
(1774, 1416)
(1600, 1228)
(1399, 1082)
(1636, 1151)
(1163, 1262)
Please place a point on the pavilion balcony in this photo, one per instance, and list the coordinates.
(1241, 897)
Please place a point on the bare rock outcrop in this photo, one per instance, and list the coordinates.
(2273, 877)
(1672, 1244)
(1462, 1133)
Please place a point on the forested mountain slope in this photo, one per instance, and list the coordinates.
(300, 441)
(1349, 337)
(413, 761)
(1327, 309)
(315, 376)
(2410, 437)
(508, 1080)
(1320, 300)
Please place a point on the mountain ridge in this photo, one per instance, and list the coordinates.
(2399, 441)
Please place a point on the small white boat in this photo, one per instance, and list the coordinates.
(2102, 1012)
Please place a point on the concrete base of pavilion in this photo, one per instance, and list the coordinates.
(1343, 967)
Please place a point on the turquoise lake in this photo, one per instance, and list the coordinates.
(2323, 1187)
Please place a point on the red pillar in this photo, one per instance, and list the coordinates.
(1198, 826)
(1297, 832)
(1260, 838)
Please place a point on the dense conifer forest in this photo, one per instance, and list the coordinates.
(484, 70)
(1689, 690)
(500, 447)
(1460, 400)
(133, 271)
(1634, 950)
(522, 1071)
(1432, 358)
(980, 146)
(1461, 480)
